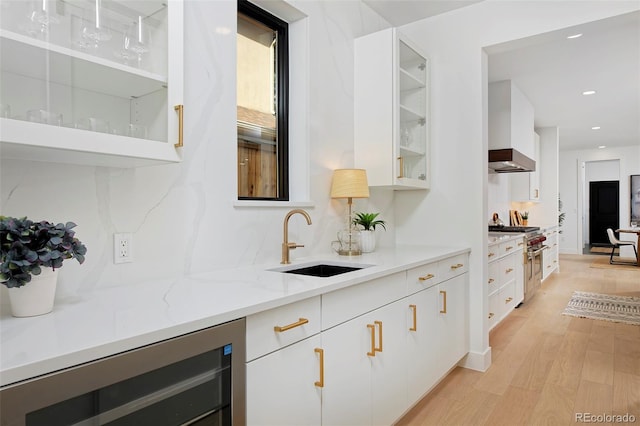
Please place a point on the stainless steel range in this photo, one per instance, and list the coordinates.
(532, 255)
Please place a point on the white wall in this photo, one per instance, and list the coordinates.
(455, 209)
(572, 190)
(183, 216)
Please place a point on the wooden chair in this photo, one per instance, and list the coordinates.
(616, 243)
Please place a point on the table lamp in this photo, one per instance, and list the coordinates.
(349, 184)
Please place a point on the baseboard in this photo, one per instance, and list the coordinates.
(479, 361)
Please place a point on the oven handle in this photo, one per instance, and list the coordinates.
(534, 253)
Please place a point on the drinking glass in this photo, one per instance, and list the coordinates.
(136, 41)
(42, 13)
(93, 29)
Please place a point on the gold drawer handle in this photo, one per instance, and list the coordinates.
(444, 302)
(401, 172)
(459, 265)
(301, 321)
(491, 254)
(426, 277)
(180, 110)
(509, 248)
(509, 270)
(491, 280)
(372, 328)
(508, 299)
(320, 383)
(491, 314)
(379, 324)
(414, 308)
(520, 244)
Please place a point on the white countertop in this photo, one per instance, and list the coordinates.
(120, 318)
(501, 237)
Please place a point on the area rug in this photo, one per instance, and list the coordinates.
(602, 262)
(604, 307)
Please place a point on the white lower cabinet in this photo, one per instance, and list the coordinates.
(505, 283)
(453, 324)
(422, 337)
(364, 369)
(382, 345)
(282, 387)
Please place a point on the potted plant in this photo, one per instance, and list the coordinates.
(30, 255)
(368, 221)
(525, 218)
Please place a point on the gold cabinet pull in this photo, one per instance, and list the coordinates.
(372, 328)
(456, 266)
(491, 280)
(509, 270)
(301, 321)
(414, 308)
(444, 301)
(320, 383)
(491, 254)
(491, 314)
(379, 324)
(180, 110)
(520, 244)
(401, 174)
(426, 277)
(509, 248)
(508, 299)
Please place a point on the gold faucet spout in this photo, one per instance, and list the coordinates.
(286, 245)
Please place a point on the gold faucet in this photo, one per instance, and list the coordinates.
(286, 245)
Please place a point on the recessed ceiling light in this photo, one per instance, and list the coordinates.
(595, 128)
(602, 146)
(575, 35)
(589, 92)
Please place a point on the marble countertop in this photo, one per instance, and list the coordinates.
(120, 318)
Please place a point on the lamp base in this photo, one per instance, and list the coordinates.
(349, 252)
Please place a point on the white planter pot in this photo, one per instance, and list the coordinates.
(368, 241)
(35, 297)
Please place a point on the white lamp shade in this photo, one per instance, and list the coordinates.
(349, 183)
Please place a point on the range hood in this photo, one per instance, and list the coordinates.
(510, 161)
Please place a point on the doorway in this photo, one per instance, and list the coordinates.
(604, 210)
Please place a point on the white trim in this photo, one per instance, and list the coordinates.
(479, 361)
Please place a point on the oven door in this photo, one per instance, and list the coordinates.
(533, 272)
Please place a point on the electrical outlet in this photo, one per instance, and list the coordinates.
(122, 248)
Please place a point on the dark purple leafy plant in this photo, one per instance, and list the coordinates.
(26, 246)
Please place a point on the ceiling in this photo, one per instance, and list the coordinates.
(553, 71)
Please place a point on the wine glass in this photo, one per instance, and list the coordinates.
(93, 29)
(136, 40)
(42, 14)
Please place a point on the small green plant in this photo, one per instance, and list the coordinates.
(368, 221)
(26, 246)
(525, 215)
(561, 214)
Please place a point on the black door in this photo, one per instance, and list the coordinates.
(604, 206)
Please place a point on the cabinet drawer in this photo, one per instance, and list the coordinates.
(507, 269)
(422, 277)
(507, 298)
(494, 252)
(342, 305)
(509, 247)
(493, 279)
(494, 310)
(453, 266)
(262, 337)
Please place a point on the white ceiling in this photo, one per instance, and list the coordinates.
(553, 71)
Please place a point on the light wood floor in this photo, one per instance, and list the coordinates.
(546, 367)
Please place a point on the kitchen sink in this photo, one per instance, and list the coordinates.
(320, 269)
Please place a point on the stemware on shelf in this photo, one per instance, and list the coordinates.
(42, 13)
(92, 28)
(136, 41)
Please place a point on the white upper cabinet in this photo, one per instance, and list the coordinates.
(392, 111)
(90, 81)
(526, 186)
